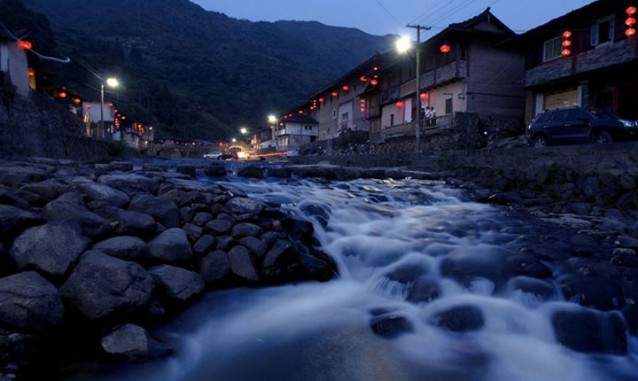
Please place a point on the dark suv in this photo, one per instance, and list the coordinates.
(576, 125)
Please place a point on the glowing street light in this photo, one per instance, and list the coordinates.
(403, 45)
(112, 83)
(272, 120)
(243, 130)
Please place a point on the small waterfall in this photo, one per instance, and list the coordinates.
(423, 294)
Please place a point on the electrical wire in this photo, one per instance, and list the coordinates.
(41, 56)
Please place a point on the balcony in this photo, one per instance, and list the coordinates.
(602, 56)
(442, 124)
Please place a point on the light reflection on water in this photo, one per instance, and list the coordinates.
(386, 236)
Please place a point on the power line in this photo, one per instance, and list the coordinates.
(389, 13)
(41, 56)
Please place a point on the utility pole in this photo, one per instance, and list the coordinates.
(418, 80)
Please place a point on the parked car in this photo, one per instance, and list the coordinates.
(292, 152)
(212, 155)
(231, 155)
(577, 125)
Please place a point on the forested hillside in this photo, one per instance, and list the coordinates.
(194, 73)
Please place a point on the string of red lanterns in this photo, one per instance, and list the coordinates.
(630, 22)
(566, 44)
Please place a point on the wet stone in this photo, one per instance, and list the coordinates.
(459, 319)
(590, 331)
(602, 294)
(245, 229)
(242, 264)
(540, 288)
(390, 326)
(255, 245)
(203, 245)
(202, 218)
(219, 226)
(521, 264)
(215, 267)
(125, 247)
(424, 290)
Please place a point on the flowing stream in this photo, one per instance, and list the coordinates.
(387, 316)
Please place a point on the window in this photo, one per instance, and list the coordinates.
(552, 48)
(602, 31)
(448, 106)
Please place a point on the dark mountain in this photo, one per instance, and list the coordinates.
(195, 73)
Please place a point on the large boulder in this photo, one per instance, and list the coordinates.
(130, 183)
(177, 284)
(242, 264)
(130, 223)
(104, 288)
(590, 331)
(171, 246)
(49, 248)
(215, 267)
(28, 302)
(131, 342)
(43, 192)
(164, 210)
(125, 247)
(13, 220)
(67, 209)
(102, 193)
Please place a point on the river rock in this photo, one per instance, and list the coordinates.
(252, 171)
(14, 174)
(28, 302)
(171, 246)
(177, 284)
(124, 166)
(13, 220)
(125, 247)
(130, 183)
(102, 193)
(50, 248)
(242, 264)
(104, 288)
(459, 319)
(424, 290)
(203, 245)
(130, 223)
(602, 294)
(589, 331)
(255, 245)
(219, 226)
(164, 210)
(44, 191)
(131, 342)
(390, 326)
(66, 209)
(216, 170)
(540, 288)
(215, 267)
(527, 265)
(245, 229)
(202, 218)
(244, 206)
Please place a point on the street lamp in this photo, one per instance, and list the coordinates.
(110, 82)
(273, 122)
(403, 45)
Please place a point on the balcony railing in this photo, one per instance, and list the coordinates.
(441, 124)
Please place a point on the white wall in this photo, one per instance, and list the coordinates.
(13, 61)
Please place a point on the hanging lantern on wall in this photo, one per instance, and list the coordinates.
(423, 96)
(31, 73)
(374, 82)
(89, 106)
(363, 78)
(345, 88)
(62, 94)
(321, 100)
(334, 93)
(400, 104)
(77, 101)
(566, 44)
(25, 45)
(630, 22)
(445, 48)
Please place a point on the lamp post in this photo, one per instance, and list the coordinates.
(403, 45)
(273, 122)
(113, 83)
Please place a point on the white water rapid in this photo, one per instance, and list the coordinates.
(390, 314)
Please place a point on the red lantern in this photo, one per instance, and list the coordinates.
(334, 93)
(400, 104)
(77, 101)
(300, 112)
(423, 96)
(25, 45)
(630, 32)
(345, 88)
(445, 48)
(321, 100)
(363, 78)
(31, 73)
(374, 82)
(566, 43)
(110, 104)
(62, 94)
(630, 22)
(88, 106)
(630, 10)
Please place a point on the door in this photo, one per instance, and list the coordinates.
(577, 126)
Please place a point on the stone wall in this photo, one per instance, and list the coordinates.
(605, 175)
(39, 127)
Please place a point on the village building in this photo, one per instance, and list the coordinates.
(14, 65)
(586, 58)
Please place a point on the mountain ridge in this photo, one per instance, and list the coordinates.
(201, 74)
